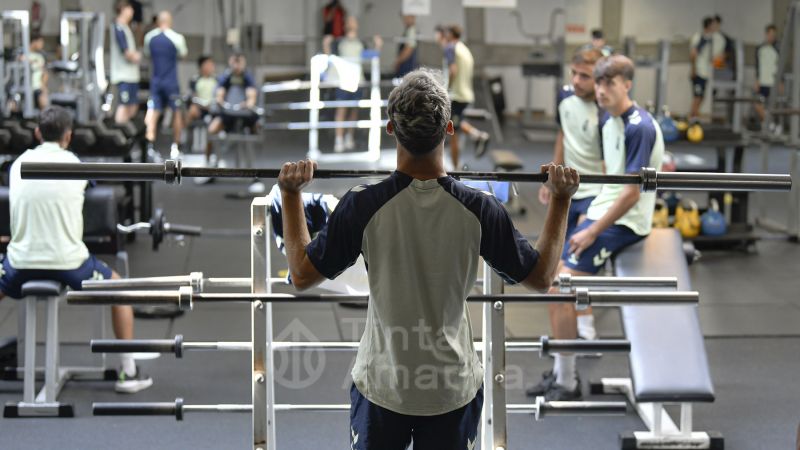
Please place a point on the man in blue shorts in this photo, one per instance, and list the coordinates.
(124, 64)
(618, 216)
(578, 146)
(47, 234)
(417, 376)
(165, 47)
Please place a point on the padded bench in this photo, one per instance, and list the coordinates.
(668, 361)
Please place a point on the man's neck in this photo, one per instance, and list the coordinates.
(62, 147)
(624, 106)
(426, 167)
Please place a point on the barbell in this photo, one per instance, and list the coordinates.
(178, 346)
(184, 298)
(172, 171)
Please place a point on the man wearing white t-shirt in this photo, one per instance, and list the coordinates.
(47, 234)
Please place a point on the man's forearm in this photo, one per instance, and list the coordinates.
(558, 149)
(550, 244)
(295, 230)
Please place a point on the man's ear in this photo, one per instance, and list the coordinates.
(390, 129)
(38, 135)
(450, 129)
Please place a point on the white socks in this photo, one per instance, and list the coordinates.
(128, 364)
(564, 369)
(586, 327)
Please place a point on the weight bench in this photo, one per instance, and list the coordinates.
(508, 161)
(100, 236)
(668, 362)
(45, 403)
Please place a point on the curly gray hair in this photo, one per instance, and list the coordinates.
(419, 109)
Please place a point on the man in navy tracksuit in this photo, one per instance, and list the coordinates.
(164, 46)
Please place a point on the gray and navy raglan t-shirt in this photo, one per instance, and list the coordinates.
(421, 242)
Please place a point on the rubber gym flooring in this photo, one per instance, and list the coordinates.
(749, 313)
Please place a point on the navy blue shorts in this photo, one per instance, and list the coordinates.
(373, 427)
(164, 95)
(11, 279)
(341, 94)
(577, 208)
(764, 91)
(699, 86)
(610, 241)
(128, 93)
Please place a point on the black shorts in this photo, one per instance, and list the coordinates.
(699, 86)
(457, 112)
(764, 91)
(235, 124)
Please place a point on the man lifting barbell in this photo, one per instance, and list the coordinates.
(428, 390)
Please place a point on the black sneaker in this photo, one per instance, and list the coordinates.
(482, 144)
(558, 393)
(548, 379)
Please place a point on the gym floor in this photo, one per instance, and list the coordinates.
(749, 312)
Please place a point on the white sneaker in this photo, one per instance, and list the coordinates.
(257, 188)
(132, 384)
(338, 145)
(174, 151)
(205, 180)
(349, 142)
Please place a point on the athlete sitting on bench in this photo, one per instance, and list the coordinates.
(428, 388)
(47, 234)
(236, 91)
(619, 216)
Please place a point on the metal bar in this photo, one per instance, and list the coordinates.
(131, 297)
(302, 106)
(172, 408)
(178, 345)
(703, 181)
(171, 171)
(262, 376)
(221, 408)
(564, 280)
(686, 419)
(567, 281)
(184, 298)
(172, 282)
(323, 125)
(494, 338)
(51, 375)
(28, 387)
(298, 85)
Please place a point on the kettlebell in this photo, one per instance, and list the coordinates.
(694, 133)
(687, 219)
(713, 221)
(661, 214)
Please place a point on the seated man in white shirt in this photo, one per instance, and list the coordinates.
(47, 234)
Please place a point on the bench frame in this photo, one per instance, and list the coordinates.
(45, 403)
